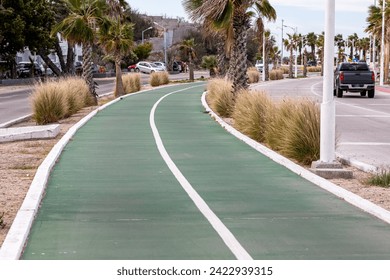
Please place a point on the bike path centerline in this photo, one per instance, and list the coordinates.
(217, 224)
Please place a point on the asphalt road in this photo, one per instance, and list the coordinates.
(361, 123)
(15, 103)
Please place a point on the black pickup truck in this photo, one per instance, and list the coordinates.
(354, 77)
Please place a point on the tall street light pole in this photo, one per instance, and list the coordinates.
(382, 73)
(327, 166)
(143, 33)
(281, 58)
(328, 108)
(165, 43)
(374, 50)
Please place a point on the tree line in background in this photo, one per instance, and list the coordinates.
(225, 42)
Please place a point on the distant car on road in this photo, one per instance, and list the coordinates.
(147, 67)
(24, 69)
(161, 65)
(311, 63)
(354, 77)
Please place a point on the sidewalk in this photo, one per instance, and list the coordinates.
(111, 195)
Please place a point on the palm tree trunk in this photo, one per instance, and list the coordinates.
(290, 65)
(222, 59)
(238, 66)
(87, 70)
(191, 66)
(119, 89)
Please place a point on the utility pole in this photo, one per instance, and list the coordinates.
(382, 73)
(281, 58)
(328, 108)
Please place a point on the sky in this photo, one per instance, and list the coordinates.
(305, 15)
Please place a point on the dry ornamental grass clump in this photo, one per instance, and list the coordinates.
(276, 74)
(220, 97)
(253, 75)
(295, 130)
(252, 113)
(159, 78)
(55, 100)
(131, 83)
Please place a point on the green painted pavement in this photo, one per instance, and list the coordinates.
(111, 196)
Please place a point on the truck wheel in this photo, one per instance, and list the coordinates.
(371, 93)
(334, 92)
(363, 93)
(339, 93)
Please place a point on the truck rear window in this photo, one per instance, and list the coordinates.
(354, 67)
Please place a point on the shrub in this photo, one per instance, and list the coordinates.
(55, 100)
(276, 74)
(220, 97)
(297, 124)
(314, 69)
(253, 75)
(275, 132)
(131, 83)
(48, 103)
(159, 78)
(251, 113)
(164, 78)
(382, 179)
(76, 93)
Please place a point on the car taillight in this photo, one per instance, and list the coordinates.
(341, 76)
(373, 76)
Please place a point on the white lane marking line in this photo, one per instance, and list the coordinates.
(363, 144)
(229, 239)
(363, 116)
(346, 104)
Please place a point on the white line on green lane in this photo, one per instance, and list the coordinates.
(229, 239)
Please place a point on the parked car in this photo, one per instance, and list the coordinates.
(161, 65)
(147, 67)
(24, 69)
(259, 66)
(311, 63)
(354, 77)
(132, 68)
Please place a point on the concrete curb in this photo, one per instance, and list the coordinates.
(350, 197)
(16, 238)
(15, 121)
(29, 132)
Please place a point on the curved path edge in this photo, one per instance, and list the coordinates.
(348, 196)
(16, 238)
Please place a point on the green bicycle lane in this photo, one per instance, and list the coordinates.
(111, 196)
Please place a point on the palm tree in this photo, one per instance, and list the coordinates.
(291, 44)
(232, 18)
(79, 27)
(188, 46)
(269, 47)
(311, 40)
(374, 21)
(116, 38)
(210, 63)
(352, 40)
(117, 41)
(320, 49)
(340, 43)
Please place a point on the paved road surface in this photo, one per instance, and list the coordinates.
(361, 123)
